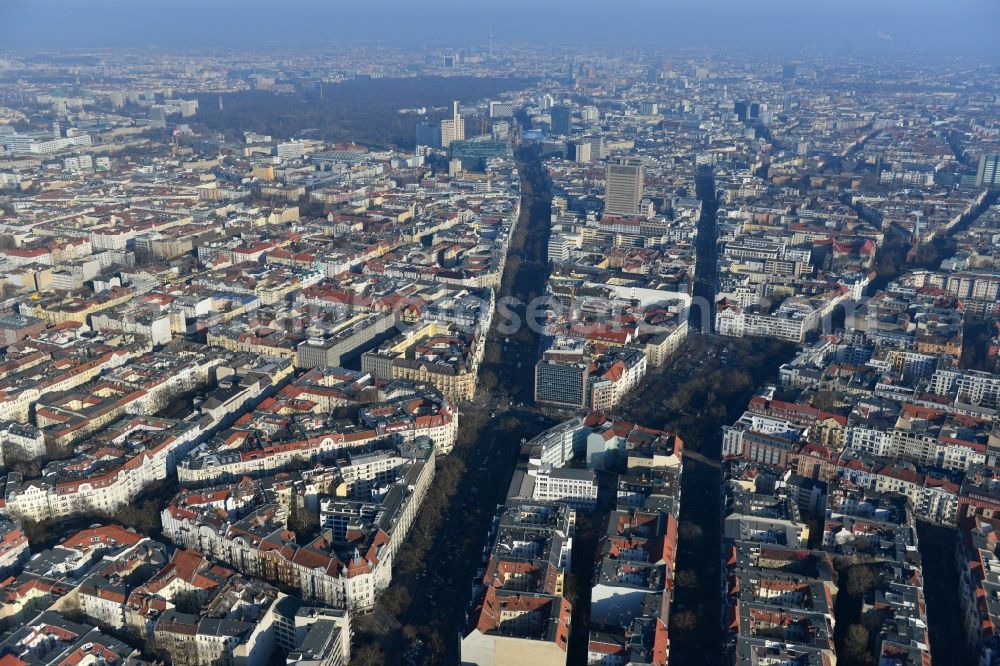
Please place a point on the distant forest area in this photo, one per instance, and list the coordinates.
(361, 110)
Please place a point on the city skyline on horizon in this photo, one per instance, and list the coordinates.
(965, 27)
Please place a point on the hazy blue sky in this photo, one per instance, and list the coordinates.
(960, 26)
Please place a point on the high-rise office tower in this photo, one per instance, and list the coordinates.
(560, 116)
(988, 174)
(428, 135)
(623, 189)
(501, 109)
(740, 107)
(561, 378)
(453, 129)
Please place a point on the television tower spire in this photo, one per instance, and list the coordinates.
(491, 40)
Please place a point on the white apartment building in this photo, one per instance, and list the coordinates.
(574, 487)
(732, 436)
(60, 495)
(556, 446)
(353, 583)
(870, 440)
(20, 441)
(970, 387)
